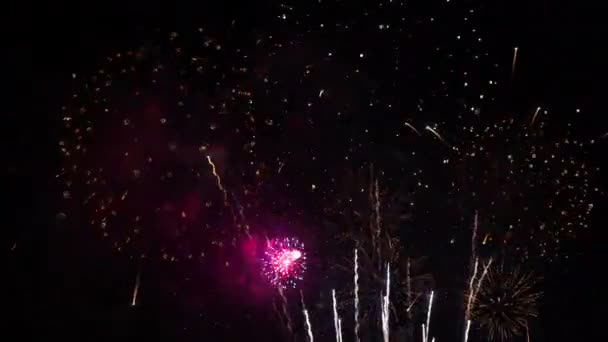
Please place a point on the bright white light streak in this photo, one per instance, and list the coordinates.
(306, 319)
(412, 128)
(423, 332)
(468, 308)
(534, 116)
(385, 301)
(356, 280)
(428, 315)
(337, 321)
(135, 290)
(466, 331)
(514, 61)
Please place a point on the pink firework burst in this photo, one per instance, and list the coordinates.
(284, 262)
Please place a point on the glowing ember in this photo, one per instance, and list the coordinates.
(284, 262)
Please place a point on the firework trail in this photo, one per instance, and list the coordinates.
(423, 332)
(408, 281)
(534, 116)
(428, 316)
(307, 319)
(467, 312)
(135, 289)
(483, 275)
(285, 311)
(337, 320)
(356, 281)
(434, 132)
(244, 223)
(412, 128)
(385, 300)
(514, 61)
(474, 237)
(466, 331)
(219, 180)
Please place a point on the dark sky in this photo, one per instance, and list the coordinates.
(64, 284)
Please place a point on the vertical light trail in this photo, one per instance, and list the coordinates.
(428, 316)
(471, 290)
(136, 289)
(385, 301)
(337, 321)
(466, 331)
(356, 280)
(514, 61)
(423, 332)
(408, 280)
(306, 319)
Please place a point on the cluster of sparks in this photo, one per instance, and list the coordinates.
(284, 262)
(157, 147)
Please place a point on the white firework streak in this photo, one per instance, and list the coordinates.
(514, 61)
(468, 308)
(412, 128)
(307, 319)
(135, 290)
(385, 301)
(428, 316)
(534, 116)
(356, 280)
(466, 331)
(423, 332)
(483, 275)
(434, 132)
(337, 321)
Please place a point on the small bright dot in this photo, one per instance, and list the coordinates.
(361, 55)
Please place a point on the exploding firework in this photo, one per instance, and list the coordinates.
(505, 303)
(284, 262)
(532, 189)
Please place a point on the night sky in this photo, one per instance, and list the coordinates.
(158, 146)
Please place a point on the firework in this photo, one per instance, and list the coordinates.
(532, 190)
(356, 282)
(306, 319)
(505, 303)
(135, 290)
(337, 320)
(385, 300)
(284, 262)
(514, 61)
(428, 317)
